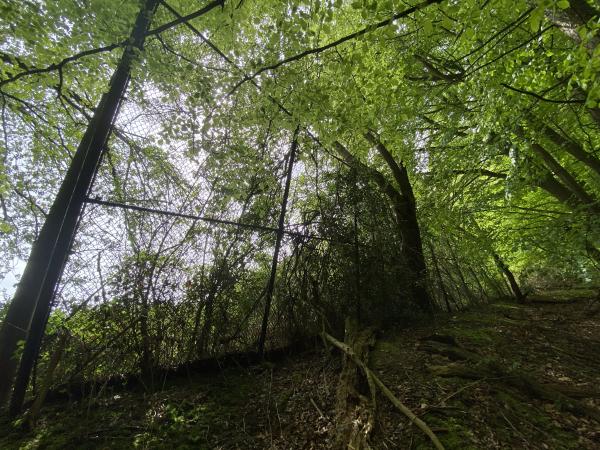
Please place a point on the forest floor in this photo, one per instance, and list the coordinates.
(498, 376)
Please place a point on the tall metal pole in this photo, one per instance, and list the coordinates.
(28, 312)
(271, 285)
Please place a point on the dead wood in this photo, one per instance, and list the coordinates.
(377, 382)
(355, 397)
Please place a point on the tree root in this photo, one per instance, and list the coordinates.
(378, 383)
(493, 370)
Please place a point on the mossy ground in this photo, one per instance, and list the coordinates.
(289, 404)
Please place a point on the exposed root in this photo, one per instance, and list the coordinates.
(377, 382)
(480, 368)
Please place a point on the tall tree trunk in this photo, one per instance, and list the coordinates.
(514, 286)
(30, 308)
(408, 227)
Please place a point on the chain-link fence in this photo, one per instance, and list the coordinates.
(174, 251)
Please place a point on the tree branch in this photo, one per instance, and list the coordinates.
(482, 172)
(384, 389)
(538, 96)
(108, 48)
(333, 44)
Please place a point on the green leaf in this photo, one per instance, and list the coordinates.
(535, 20)
(427, 26)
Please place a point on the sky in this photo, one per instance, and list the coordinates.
(8, 283)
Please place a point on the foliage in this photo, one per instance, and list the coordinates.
(492, 106)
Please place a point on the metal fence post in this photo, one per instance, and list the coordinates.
(28, 312)
(280, 231)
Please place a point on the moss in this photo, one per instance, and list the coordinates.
(451, 432)
(475, 335)
(530, 420)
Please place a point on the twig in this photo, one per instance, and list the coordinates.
(454, 394)
(317, 408)
(538, 96)
(401, 407)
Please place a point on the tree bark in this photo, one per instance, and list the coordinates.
(406, 219)
(569, 181)
(571, 147)
(514, 286)
(412, 231)
(577, 14)
(28, 312)
(563, 175)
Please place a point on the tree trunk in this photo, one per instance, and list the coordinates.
(355, 399)
(407, 218)
(30, 308)
(571, 147)
(408, 227)
(514, 286)
(563, 175)
(577, 14)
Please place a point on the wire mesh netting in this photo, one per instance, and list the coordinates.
(172, 258)
(163, 276)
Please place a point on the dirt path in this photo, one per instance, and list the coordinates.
(290, 405)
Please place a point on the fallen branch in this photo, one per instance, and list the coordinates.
(355, 406)
(401, 407)
(317, 408)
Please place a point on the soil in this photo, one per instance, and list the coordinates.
(554, 339)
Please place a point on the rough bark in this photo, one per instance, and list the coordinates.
(406, 219)
(355, 398)
(563, 175)
(28, 312)
(576, 188)
(374, 381)
(577, 14)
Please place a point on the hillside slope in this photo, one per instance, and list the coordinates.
(497, 376)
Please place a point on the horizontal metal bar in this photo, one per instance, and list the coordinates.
(98, 201)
